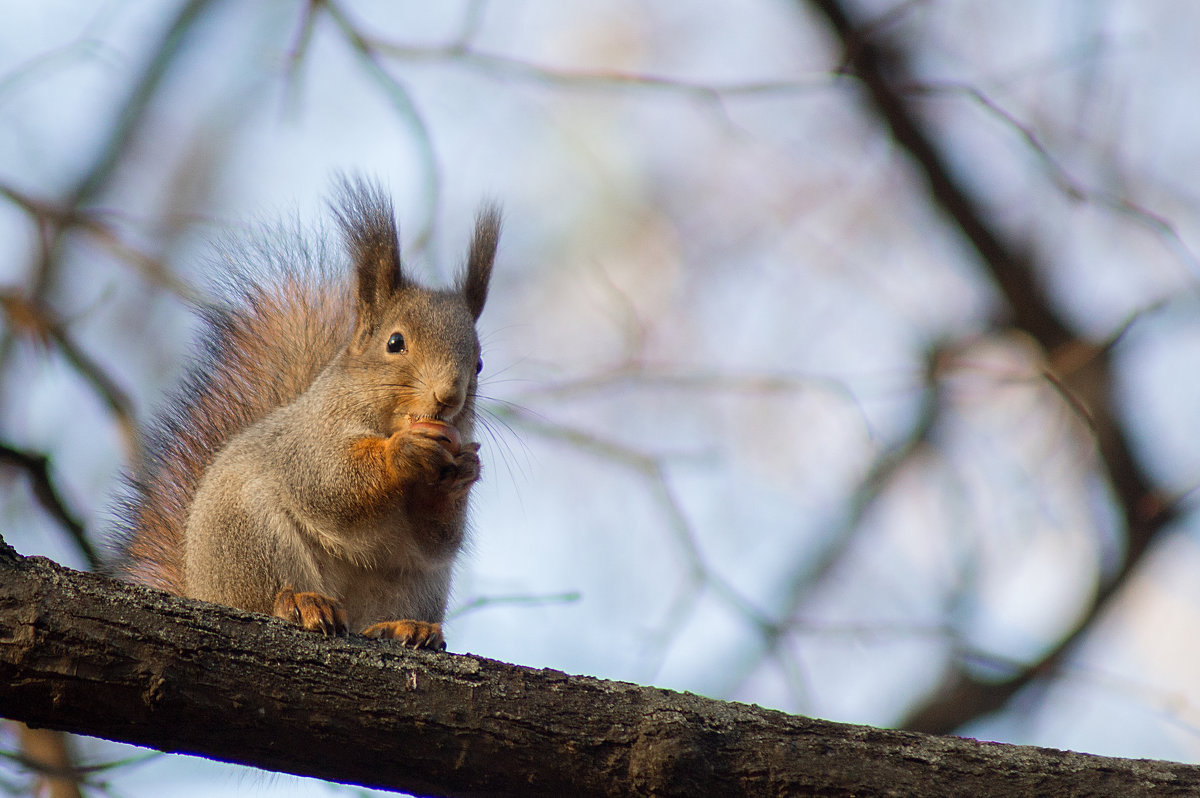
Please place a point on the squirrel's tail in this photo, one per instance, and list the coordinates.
(284, 311)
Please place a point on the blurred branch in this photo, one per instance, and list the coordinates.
(840, 541)
(602, 80)
(119, 138)
(48, 754)
(44, 65)
(53, 223)
(652, 469)
(480, 602)
(49, 217)
(1070, 185)
(298, 51)
(882, 70)
(881, 474)
(35, 321)
(399, 95)
(462, 52)
(78, 775)
(637, 374)
(642, 375)
(37, 468)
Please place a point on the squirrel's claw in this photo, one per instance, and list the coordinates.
(417, 634)
(314, 612)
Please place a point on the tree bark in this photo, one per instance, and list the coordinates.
(83, 653)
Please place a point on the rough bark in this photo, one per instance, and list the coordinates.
(83, 653)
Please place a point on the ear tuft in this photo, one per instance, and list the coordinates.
(473, 283)
(368, 225)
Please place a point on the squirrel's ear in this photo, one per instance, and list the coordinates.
(473, 283)
(369, 227)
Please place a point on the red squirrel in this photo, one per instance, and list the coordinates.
(317, 461)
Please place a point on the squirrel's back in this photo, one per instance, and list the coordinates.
(283, 310)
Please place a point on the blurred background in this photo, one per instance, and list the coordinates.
(841, 357)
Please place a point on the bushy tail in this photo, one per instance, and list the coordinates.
(284, 311)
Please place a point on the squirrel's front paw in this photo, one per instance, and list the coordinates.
(417, 634)
(314, 612)
(435, 465)
(465, 472)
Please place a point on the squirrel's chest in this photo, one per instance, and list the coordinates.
(394, 541)
(384, 568)
(373, 595)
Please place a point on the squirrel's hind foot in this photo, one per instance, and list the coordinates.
(417, 634)
(314, 612)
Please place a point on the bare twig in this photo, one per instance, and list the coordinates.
(481, 602)
(120, 135)
(402, 101)
(93, 222)
(37, 467)
(1066, 182)
(26, 317)
(655, 478)
(840, 541)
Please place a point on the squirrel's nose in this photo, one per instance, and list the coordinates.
(449, 398)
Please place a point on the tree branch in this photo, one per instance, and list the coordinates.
(87, 654)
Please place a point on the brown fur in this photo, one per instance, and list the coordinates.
(284, 477)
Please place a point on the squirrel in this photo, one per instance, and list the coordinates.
(317, 460)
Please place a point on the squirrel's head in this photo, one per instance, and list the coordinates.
(415, 349)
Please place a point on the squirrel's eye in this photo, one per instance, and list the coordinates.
(479, 365)
(395, 343)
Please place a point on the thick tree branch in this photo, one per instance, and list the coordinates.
(882, 71)
(84, 653)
